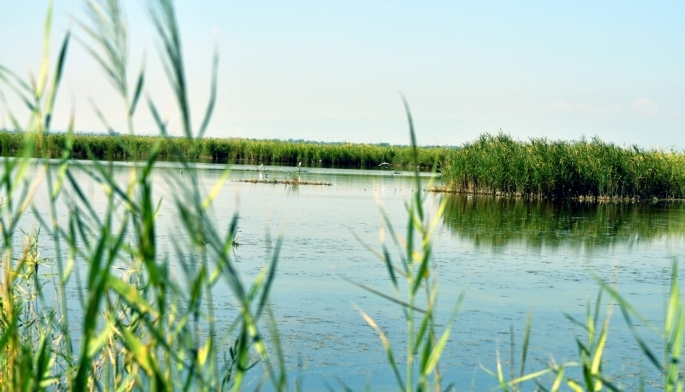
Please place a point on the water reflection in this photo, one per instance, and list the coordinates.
(292, 189)
(498, 222)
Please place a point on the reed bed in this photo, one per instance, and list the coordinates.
(540, 168)
(223, 150)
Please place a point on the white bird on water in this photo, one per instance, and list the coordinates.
(261, 167)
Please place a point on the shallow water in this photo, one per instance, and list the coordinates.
(511, 257)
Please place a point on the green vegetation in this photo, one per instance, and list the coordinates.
(131, 326)
(227, 150)
(415, 289)
(560, 170)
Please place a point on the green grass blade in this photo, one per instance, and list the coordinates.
(59, 70)
(387, 346)
(43, 75)
(266, 289)
(526, 343)
(138, 90)
(382, 295)
(212, 96)
(131, 295)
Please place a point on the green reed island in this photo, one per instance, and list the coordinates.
(541, 168)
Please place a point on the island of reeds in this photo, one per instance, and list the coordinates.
(545, 169)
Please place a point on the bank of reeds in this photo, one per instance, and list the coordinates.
(541, 168)
(223, 150)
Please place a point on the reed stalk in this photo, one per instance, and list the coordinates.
(139, 329)
(424, 344)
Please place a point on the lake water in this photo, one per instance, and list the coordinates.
(511, 257)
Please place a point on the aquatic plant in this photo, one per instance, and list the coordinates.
(540, 168)
(140, 328)
(592, 342)
(414, 277)
(135, 147)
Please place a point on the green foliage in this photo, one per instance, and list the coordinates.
(233, 150)
(671, 333)
(593, 341)
(414, 272)
(138, 329)
(498, 164)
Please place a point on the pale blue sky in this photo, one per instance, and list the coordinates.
(332, 70)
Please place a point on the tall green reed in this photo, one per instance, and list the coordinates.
(143, 329)
(587, 372)
(27, 346)
(540, 168)
(415, 286)
(222, 150)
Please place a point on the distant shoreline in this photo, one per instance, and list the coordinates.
(493, 164)
(226, 150)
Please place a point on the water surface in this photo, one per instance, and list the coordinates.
(510, 256)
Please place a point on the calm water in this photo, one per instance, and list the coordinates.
(511, 257)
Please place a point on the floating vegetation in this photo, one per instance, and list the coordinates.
(284, 182)
(583, 169)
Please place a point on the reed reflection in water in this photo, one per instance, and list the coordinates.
(493, 222)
